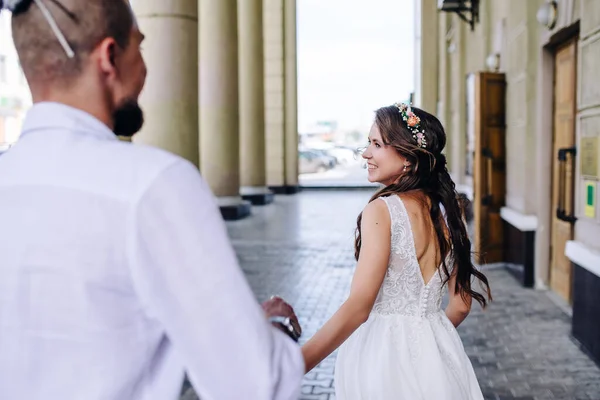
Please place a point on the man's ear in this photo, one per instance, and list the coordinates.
(111, 55)
(107, 56)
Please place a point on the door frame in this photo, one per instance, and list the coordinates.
(544, 141)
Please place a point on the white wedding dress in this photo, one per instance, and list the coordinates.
(408, 349)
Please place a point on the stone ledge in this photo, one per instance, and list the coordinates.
(583, 256)
(522, 222)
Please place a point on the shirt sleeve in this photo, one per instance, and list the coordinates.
(187, 275)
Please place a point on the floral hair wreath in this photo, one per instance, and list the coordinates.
(413, 123)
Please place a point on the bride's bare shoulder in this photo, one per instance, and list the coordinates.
(376, 211)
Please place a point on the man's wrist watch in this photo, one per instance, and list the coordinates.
(286, 325)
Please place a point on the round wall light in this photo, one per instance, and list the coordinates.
(547, 14)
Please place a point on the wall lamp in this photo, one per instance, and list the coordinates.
(467, 10)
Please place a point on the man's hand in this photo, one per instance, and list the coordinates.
(277, 307)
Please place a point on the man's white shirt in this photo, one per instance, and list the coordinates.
(116, 275)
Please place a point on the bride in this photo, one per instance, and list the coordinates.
(411, 244)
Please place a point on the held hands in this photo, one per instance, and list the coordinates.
(282, 316)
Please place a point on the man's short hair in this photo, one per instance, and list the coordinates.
(84, 23)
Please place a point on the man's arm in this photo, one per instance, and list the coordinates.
(188, 277)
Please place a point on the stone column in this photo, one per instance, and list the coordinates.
(219, 105)
(170, 97)
(274, 94)
(291, 96)
(457, 124)
(252, 103)
(427, 82)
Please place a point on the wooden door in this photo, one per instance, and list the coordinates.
(489, 171)
(563, 168)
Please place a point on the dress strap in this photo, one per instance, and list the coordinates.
(402, 237)
(396, 210)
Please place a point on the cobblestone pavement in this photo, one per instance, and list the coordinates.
(301, 247)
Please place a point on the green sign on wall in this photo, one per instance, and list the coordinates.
(590, 198)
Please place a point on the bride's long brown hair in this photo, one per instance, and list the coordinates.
(428, 173)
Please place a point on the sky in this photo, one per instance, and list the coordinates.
(354, 56)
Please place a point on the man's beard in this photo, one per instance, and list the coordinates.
(128, 118)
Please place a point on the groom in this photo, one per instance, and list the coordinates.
(117, 273)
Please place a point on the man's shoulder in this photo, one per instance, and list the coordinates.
(138, 166)
(146, 154)
(141, 155)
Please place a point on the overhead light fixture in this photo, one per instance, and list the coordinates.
(547, 14)
(467, 10)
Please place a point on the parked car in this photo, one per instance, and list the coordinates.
(333, 161)
(343, 155)
(311, 162)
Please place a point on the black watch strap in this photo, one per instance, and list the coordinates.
(287, 326)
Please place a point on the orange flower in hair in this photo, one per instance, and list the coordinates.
(413, 120)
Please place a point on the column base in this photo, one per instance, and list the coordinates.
(234, 208)
(257, 195)
(285, 189)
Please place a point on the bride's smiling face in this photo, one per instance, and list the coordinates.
(384, 162)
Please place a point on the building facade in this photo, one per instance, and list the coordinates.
(520, 100)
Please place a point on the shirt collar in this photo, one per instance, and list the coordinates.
(45, 116)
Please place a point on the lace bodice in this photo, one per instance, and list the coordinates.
(404, 291)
